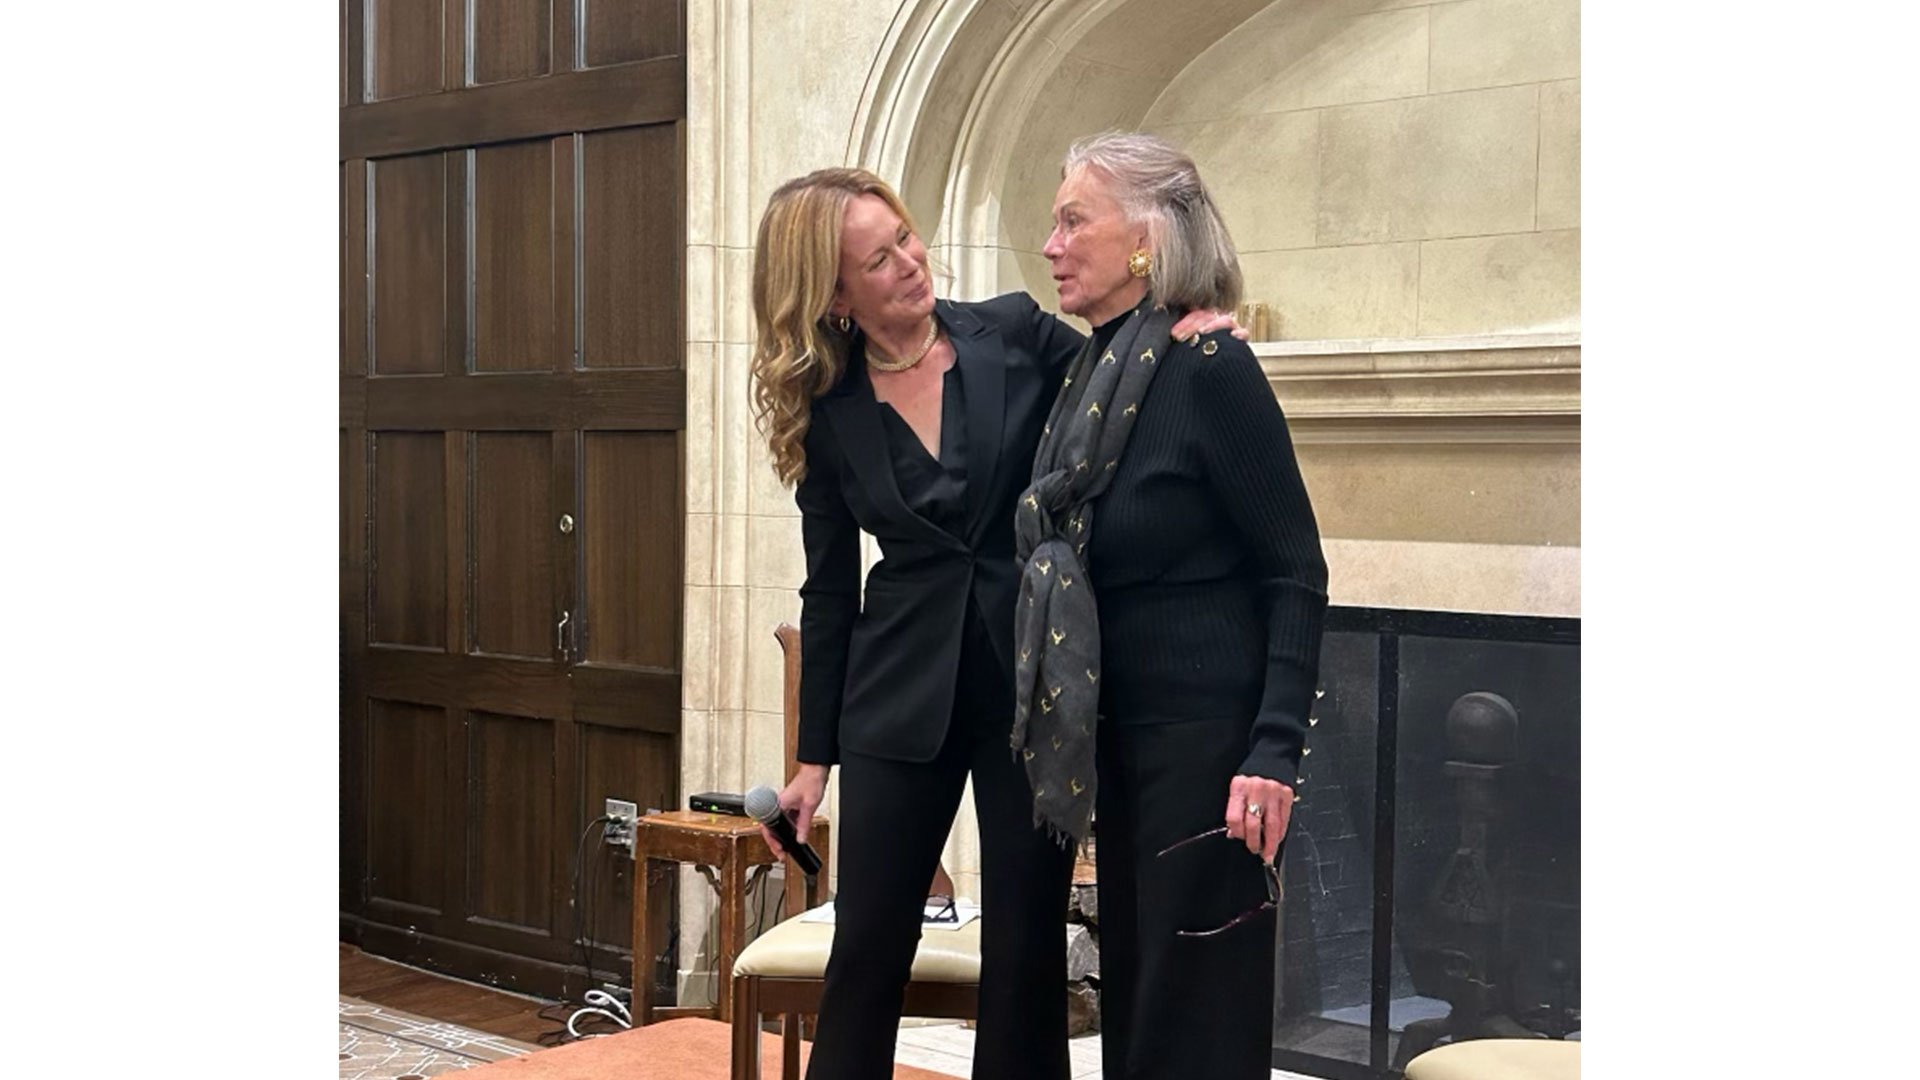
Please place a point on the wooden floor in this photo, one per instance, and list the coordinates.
(437, 997)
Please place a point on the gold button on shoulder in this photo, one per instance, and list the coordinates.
(1210, 348)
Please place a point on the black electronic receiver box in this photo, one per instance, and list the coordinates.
(718, 802)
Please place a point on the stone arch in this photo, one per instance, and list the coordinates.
(971, 102)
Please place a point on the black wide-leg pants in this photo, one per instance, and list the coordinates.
(1174, 1008)
(894, 818)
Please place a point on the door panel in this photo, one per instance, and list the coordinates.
(631, 487)
(407, 758)
(510, 816)
(406, 41)
(407, 217)
(511, 39)
(619, 31)
(409, 539)
(513, 257)
(515, 541)
(632, 248)
(511, 352)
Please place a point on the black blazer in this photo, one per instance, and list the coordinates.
(877, 677)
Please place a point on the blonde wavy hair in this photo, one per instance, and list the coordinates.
(798, 354)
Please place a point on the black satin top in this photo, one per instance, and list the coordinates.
(936, 490)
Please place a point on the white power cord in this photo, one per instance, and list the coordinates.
(598, 1001)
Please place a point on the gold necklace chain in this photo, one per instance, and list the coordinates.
(880, 361)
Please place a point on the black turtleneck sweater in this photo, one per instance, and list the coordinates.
(1206, 559)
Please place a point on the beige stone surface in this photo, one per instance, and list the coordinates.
(1465, 493)
(1420, 168)
(1157, 41)
(696, 754)
(1508, 579)
(700, 532)
(1079, 99)
(702, 163)
(1298, 57)
(1478, 43)
(1263, 171)
(729, 665)
(808, 68)
(730, 550)
(703, 316)
(701, 449)
(948, 97)
(735, 425)
(1482, 285)
(766, 495)
(1366, 290)
(700, 623)
(766, 746)
(766, 609)
(776, 558)
(1037, 281)
(1559, 197)
(736, 295)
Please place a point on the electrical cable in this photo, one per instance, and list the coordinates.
(581, 905)
(582, 901)
(598, 1003)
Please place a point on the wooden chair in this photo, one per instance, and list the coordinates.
(784, 971)
(725, 848)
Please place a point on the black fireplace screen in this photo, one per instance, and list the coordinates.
(1433, 865)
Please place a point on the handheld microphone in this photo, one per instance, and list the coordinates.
(763, 806)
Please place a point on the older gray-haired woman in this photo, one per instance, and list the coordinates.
(1169, 618)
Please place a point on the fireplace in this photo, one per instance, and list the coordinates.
(1433, 866)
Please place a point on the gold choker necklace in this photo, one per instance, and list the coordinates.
(880, 361)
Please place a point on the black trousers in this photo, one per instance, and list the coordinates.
(1174, 1007)
(894, 820)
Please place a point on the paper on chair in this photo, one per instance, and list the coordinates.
(965, 910)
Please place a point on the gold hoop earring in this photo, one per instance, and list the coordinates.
(845, 324)
(1140, 263)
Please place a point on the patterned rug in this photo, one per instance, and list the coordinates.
(381, 1043)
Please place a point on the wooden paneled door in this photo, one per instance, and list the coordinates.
(512, 399)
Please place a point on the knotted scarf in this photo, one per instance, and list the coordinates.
(1057, 622)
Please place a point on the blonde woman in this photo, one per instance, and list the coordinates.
(914, 419)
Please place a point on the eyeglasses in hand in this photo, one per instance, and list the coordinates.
(1272, 877)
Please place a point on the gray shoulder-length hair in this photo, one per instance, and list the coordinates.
(1195, 266)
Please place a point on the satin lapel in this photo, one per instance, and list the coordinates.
(856, 419)
(984, 367)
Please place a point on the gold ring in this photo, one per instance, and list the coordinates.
(1253, 809)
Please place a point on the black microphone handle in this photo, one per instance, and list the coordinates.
(804, 856)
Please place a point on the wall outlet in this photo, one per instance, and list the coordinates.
(620, 828)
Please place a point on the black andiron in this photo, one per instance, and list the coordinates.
(1467, 909)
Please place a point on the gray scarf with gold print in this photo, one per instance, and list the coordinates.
(1057, 623)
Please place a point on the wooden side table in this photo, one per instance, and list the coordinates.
(731, 845)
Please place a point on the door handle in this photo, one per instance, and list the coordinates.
(560, 634)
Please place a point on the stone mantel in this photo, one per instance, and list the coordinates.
(1507, 388)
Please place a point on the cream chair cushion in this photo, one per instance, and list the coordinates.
(1499, 1059)
(798, 950)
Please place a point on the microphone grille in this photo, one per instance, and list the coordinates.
(762, 803)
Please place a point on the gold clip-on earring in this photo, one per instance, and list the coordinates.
(1140, 263)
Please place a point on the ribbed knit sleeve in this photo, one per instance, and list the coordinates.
(829, 599)
(1250, 467)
